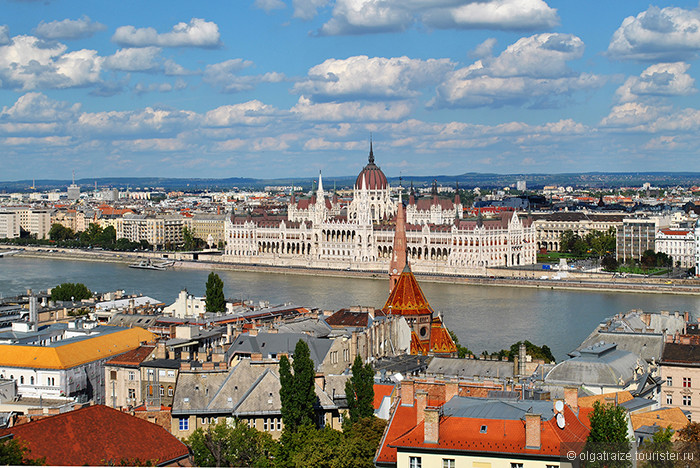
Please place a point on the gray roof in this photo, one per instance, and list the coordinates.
(318, 328)
(133, 320)
(272, 344)
(452, 367)
(485, 408)
(599, 365)
(248, 388)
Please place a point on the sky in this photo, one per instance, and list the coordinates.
(288, 88)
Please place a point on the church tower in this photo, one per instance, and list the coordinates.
(398, 257)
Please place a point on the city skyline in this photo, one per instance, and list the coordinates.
(273, 89)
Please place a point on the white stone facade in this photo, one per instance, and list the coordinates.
(680, 245)
(439, 241)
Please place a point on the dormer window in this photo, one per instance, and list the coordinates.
(483, 429)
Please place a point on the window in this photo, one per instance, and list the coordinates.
(161, 373)
(516, 465)
(414, 462)
(279, 424)
(162, 390)
(669, 381)
(170, 390)
(483, 429)
(113, 375)
(686, 382)
(448, 463)
(171, 373)
(265, 424)
(31, 380)
(131, 375)
(21, 379)
(132, 393)
(184, 424)
(686, 400)
(669, 399)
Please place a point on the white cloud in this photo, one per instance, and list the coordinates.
(37, 107)
(178, 85)
(635, 117)
(196, 33)
(147, 121)
(668, 34)
(247, 113)
(351, 111)
(372, 16)
(485, 49)
(172, 68)
(510, 15)
(28, 63)
(68, 29)
(152, 144)
(361, 77)
(145, 59)
(36, 141)
(630, 115)
(225, 76)
(661, 79)
(534, 68)
(269, 5)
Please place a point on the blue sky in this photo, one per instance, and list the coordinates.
(278, 88)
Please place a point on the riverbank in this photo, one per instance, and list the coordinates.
(579, 282)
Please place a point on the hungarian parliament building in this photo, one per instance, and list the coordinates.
(318, 233)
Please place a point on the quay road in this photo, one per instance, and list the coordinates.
(499, 277)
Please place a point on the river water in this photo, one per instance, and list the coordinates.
(484, 317)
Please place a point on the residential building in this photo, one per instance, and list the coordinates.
(249, 391)
(208, 227)
(98, 436)
(123, 378)
(446, 430)
(680, 375)
(158, 380)
(159, 231)
(550, 226)
(9, 225)
(679, 244)
(637, 235)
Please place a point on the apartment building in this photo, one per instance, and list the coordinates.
(637, 235)
(9, 224)
(679, 244)
(159, 231)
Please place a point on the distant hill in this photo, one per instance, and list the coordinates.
(466, 180)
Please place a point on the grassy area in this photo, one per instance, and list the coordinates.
(641, 271)
(553, 257)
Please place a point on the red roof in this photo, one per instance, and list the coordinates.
(407, 298)
(98, 435)
(381, 391)
(670, 232)
(133, 357)
(462, 433)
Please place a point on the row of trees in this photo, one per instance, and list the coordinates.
(595, 243)
(304, 442)
(93, 236)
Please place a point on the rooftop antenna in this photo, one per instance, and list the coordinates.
(73, 176)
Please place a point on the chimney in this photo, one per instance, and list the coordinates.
(522, 358)
(571, 398)
(432, 425)
(253, 332)
(256, 356)
(407, 393)
(421, 403)
(320, 380)
(161, 353)
(33, 313)
(185, 366)
(451, 390)
(533, 431)
(208, 365)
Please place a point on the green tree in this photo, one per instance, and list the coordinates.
(215, 300)
(359, 391)
(567, 240)
(233, 444)
(649, 259)
(309, 446)
(608, 435)
(59, 232)
(659, 449)
(14, 452)
(70, 291)
(107, 237)
(297, 392)
(609, 263)
(462, 351)
(361, 441)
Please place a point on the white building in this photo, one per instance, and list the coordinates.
(318, 232)
(679, 244)
(9, 224)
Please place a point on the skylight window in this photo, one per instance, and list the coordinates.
(483, 429)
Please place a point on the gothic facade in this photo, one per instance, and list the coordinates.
(318, 233)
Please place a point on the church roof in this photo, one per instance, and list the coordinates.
(407, 298)
(440, 339)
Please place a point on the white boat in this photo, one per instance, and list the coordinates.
(147, 265)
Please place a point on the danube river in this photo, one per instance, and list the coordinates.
(484, 317)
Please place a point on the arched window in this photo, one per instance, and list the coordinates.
(31, 380)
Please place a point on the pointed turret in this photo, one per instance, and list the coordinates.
(436, 201)
(398, 258)
(412, 196)
(371, 152)
(458, 200)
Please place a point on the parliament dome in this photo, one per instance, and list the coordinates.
(373, 175)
